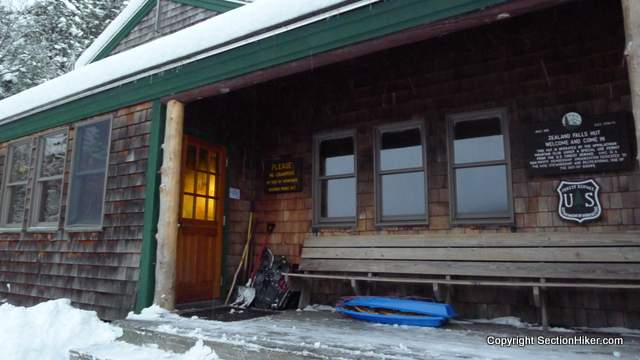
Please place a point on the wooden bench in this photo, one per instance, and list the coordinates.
(536, 260)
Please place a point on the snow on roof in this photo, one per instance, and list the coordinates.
(114, 28)
(109, 33)
(171, 49)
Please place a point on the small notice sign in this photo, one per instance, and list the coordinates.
(576, 144)
(282, 176)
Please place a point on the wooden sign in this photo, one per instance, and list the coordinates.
(579, 200)
(283, 176)
(575, 144)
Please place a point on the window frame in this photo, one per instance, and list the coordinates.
(316, 188)
(34, 224)
(506, 218)
(4, 207)
(399, 220)
(88, 227)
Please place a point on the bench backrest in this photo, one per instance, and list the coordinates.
(576, 256)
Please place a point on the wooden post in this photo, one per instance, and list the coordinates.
(631, 15)
(165, 291)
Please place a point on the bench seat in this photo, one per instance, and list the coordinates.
(536, 260)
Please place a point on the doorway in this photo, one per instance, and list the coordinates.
(199, 249)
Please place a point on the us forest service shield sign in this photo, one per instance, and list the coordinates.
(579, 200)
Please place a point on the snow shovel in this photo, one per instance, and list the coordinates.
(247, 294)
(245, 298)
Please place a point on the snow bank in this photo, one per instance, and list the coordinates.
(48, 330)
(171, 49)
(515, 322)
(153, 312)
(317, 307)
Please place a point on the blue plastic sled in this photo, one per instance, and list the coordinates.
(419, 313)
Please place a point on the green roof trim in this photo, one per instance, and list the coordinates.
(146, 282)
(359, 25)
(213, 5)
(126, 30)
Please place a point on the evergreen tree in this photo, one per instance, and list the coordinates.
(43, 40)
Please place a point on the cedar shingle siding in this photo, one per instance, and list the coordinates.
(173, 17)
(96, 270)
(499, 65)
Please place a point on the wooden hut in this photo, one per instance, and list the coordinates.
(482, 152)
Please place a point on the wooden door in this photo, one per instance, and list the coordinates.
(199, 253)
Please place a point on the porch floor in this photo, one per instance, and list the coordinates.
(327, 335)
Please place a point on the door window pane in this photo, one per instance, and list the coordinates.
(478, 140)
(89, 173)
(336, 157)
(191, 156)
(203, 162)
(201, 208)
(400, 149)
(212, 185)
(482, 190)
(338, 198)
(213, 163)
(201, 188)
(189, 181)
(403, 194)
(187, 207)
(211, 209)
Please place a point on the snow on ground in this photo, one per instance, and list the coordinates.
(122, 350)
(517, 323)
(48, 330)
(324, 333)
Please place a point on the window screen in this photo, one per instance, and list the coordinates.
(88, 176)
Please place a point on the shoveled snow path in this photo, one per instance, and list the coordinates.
(327, 335)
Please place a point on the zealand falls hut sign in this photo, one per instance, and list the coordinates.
(578, 145)
(579, 200)
(282, 176)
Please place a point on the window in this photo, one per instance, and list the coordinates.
(334, 169)
(88, 174)
(201, 181)
(479, 169)
(15, 189)
(47, 198)
(400, 173)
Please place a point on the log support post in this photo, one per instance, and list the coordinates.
(167, 236)
(631, 16)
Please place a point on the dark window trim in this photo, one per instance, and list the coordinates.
(480, 219)
(4, 207)
(399, 220)
(335, 222)
(34, 225)
(88, 227)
